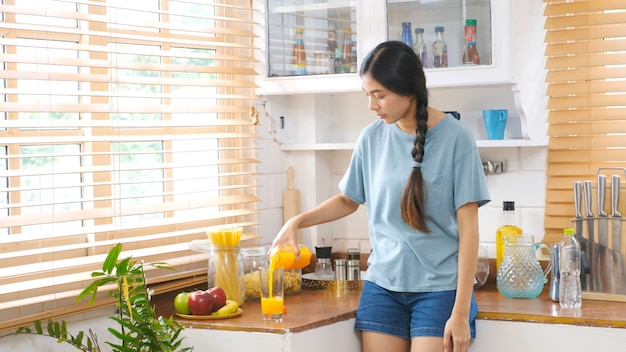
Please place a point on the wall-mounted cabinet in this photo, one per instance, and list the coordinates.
(361, 24)
(322, 107)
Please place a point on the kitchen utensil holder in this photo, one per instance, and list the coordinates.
(604, 268)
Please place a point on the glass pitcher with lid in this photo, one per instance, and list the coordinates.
(520, 275)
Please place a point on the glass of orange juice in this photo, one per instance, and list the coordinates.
(272, 290)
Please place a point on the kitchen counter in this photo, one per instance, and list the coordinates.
(312, 309)
(493, 306)
(307, 310)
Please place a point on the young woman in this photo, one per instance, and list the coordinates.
(419, 172)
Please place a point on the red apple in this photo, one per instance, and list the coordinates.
(219, 297)
(200, 303)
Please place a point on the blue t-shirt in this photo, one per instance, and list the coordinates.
(404, 259)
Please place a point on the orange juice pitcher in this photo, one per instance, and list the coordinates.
(284, 256)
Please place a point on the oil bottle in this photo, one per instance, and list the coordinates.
(508, 228)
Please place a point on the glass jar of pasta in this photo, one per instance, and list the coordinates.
(226, 270)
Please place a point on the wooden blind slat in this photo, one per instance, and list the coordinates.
(586, 114)
(554, 8)
(595, 127)
(576, 21)
(589, 87)
(591, 100)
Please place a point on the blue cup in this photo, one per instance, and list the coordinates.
(495, 123)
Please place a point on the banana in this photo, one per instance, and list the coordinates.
(228, 308)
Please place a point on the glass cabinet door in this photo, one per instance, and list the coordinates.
(464, 25)
(311, 37)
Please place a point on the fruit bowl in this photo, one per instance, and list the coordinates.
(210, 317)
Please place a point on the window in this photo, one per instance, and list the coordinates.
(586, 80)
(122, 121)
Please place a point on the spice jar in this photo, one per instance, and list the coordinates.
(253, 258)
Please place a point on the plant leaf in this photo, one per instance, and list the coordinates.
(109, 263)
(38, 327)
(123, 267)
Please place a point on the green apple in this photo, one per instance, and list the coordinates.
(181, 303)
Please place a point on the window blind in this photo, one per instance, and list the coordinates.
(586, 85)
(121, 122)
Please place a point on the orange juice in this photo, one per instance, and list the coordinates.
(285, 256)
(271, 305)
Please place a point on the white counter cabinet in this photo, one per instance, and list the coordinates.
(339, 336)
(497, 336)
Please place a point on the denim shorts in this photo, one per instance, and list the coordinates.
(407, 314)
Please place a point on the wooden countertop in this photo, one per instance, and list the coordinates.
(493, 306)
(307, 310)
(315, 308)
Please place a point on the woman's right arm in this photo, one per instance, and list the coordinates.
(331, 209)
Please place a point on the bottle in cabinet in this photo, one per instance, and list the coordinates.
(440, 49)
(338, 60)
(347, 50)
(298, 57)
(332, 40)
(407, 36)
(470, 53)
(420, 47)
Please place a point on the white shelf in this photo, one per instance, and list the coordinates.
(333, 4)
(506, 143)
(318, 146)
(331, 83)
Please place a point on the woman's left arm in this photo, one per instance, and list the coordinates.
(457, 335)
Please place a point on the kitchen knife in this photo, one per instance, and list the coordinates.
(589, 213)
(616, 217)
(603, 217)
(578, 205)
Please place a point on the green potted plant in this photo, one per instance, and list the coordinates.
(139, 327)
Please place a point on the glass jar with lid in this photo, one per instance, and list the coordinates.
(226, 270)
(293, 281)
(253, 258)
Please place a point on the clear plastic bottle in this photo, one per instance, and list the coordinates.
(298, 56)
(420, 47)
(570, 292)
(508, 228)
(407, 36)
(440, 49)
(470, 53)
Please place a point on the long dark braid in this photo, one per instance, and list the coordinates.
(396, 66)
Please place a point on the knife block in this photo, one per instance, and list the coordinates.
(594, 220)
(604, 267)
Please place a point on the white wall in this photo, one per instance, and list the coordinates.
(524, 181)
